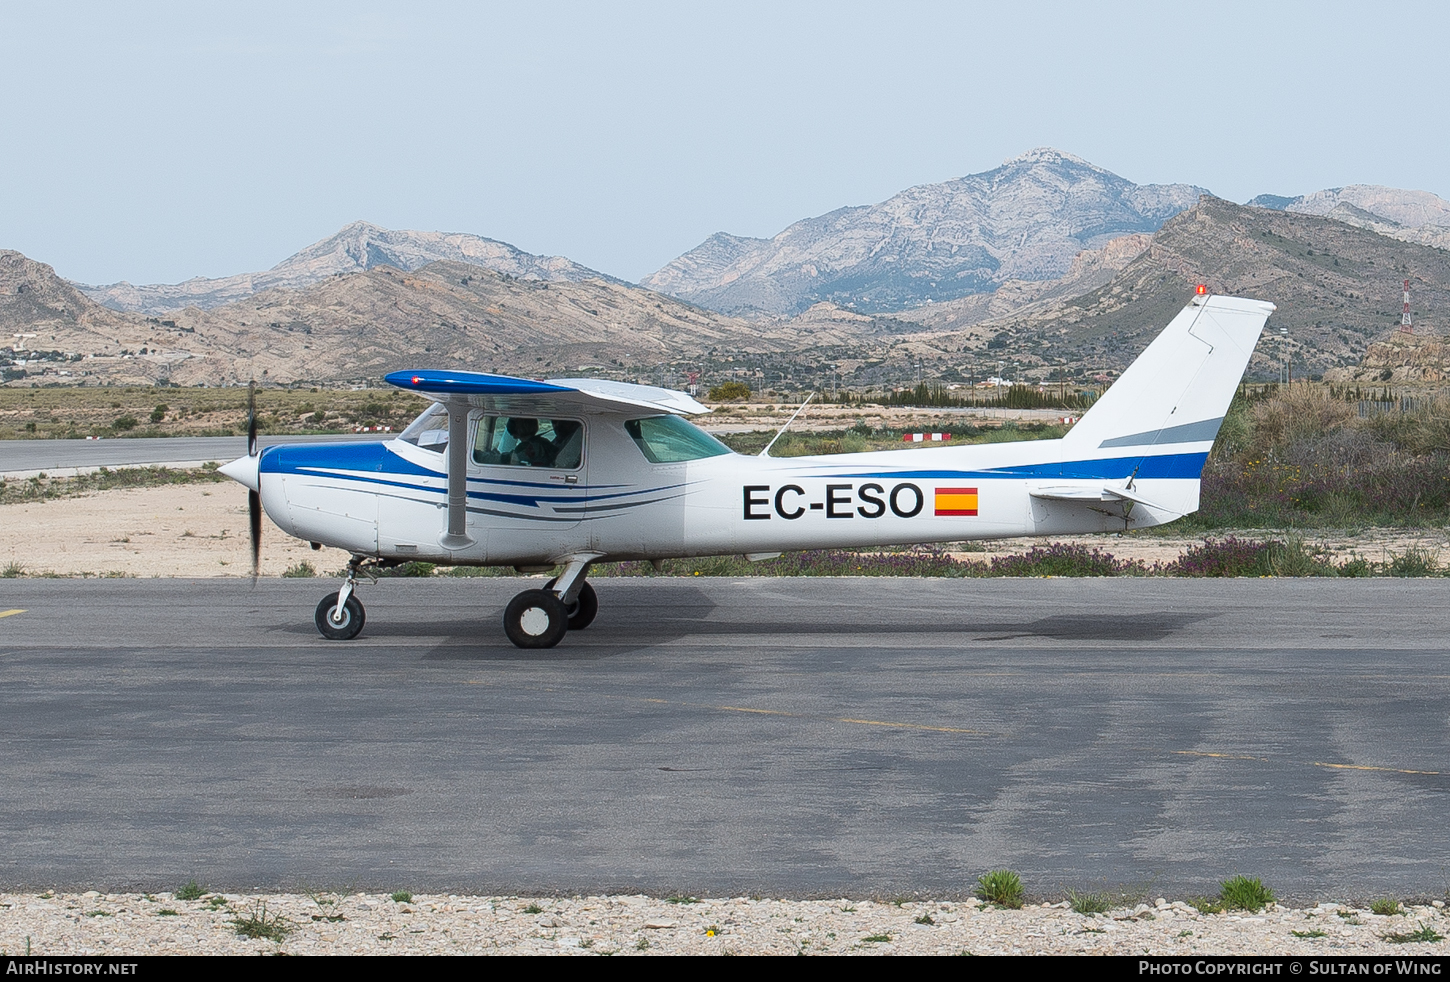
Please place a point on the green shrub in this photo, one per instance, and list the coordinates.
(413, 568)
(1003, 888)
(727, 391)
(402, 897)
(302, 570)
(257, 925)
(1089, 903)
(1245, 893)
(1293, 558)
(1414, 561)
(1385, 907)
(1424, 934)
(192, 891)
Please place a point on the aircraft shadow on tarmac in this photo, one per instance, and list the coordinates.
(679, 612)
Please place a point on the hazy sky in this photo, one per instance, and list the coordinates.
(154, 142)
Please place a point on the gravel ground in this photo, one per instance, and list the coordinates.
(136, 924)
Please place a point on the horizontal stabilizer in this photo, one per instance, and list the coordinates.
(1084, 494)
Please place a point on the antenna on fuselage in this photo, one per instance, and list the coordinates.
(766, 452)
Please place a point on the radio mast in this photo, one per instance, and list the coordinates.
(1405, 326)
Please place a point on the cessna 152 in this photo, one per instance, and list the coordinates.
(504, 471)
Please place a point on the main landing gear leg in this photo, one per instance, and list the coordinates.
(541, 618)
(340, 616)
(578, 596)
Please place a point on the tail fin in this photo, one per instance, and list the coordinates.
(1180, 387)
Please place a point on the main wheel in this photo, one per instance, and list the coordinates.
(582, 610)
(353, 618)
(535, 619)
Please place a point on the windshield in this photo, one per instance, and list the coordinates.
(670, 440)
(430, 430)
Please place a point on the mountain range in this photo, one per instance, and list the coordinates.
(1410, 216)
(1024, 220)
(356, 327)
(1048, 263)
(1337, 287)
(355, 248)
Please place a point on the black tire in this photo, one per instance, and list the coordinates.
(535, 619)
(584, 608)
(353, 618)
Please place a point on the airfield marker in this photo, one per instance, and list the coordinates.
(7, 613)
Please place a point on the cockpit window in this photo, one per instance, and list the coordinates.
(430, 430)
(528, 441)
(670, 440)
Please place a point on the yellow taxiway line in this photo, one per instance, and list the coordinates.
(7, 613)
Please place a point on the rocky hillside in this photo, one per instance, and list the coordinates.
(48, 326)
(1090, 269)
(1336, 286)
(354, 249)
(447, 315)
(1411, 216)
(1398, 358)
(1025, 220)
(359, 326)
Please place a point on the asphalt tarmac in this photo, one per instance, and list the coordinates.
(780, 737)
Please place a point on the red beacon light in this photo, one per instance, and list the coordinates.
(1201, 290)
(418, 379)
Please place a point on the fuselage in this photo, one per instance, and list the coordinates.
(389, 500)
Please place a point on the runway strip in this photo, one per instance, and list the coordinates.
(22, 459)
(778, 737)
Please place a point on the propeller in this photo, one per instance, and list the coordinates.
(254, 499)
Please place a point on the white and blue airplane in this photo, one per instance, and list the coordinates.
(504, 471)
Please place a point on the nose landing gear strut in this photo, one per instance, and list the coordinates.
(340, 616)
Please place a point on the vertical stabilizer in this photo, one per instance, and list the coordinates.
(1180, 387)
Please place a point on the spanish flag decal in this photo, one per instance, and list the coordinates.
(956, 501)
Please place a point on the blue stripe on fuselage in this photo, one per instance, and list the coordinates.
(1185, 465)
(359, 461)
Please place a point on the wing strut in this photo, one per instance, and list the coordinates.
(457, 535)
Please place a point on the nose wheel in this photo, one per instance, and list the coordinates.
(340, 616)
(339, 623)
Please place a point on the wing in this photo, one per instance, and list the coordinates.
(504, 393)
